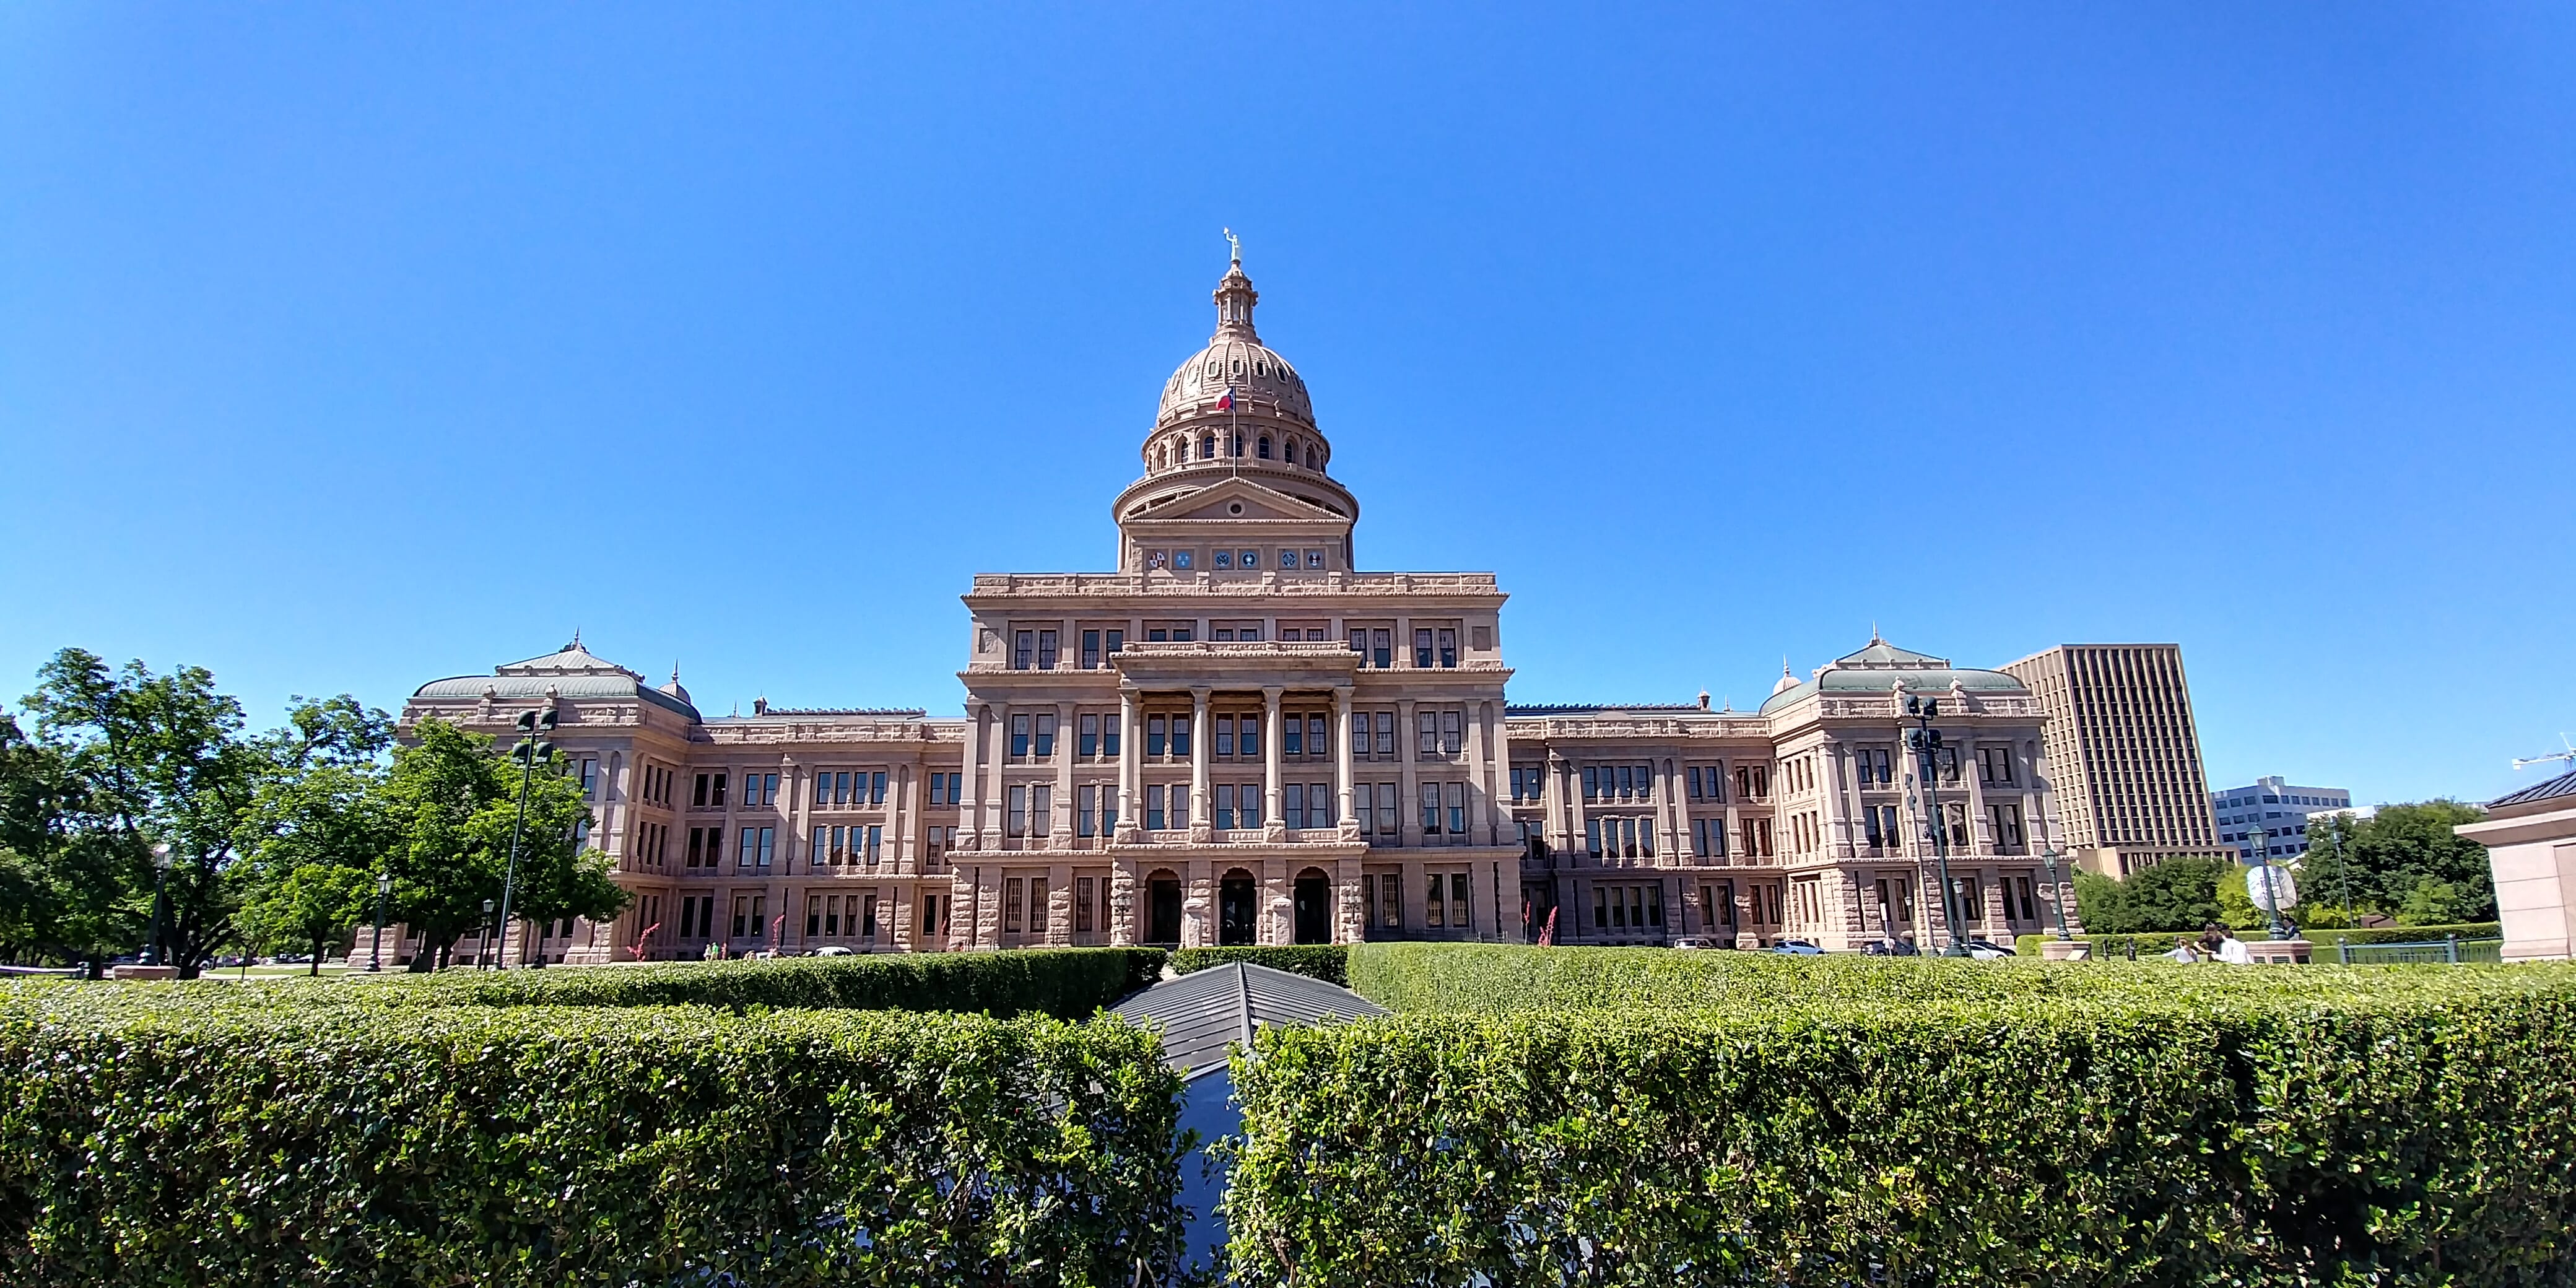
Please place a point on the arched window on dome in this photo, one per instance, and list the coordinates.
(1310, 457)
(1265, 447)
(1207, 447)
(1238, 445)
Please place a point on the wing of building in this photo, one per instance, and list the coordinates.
(1242, 736)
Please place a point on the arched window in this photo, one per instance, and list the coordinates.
(1265, 447)
(1207, 447)
(1238, 446)
(1288, 451)
(1310, 457)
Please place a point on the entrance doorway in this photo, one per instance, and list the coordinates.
(1314, 907)
(1234, 897)
(1163, 909)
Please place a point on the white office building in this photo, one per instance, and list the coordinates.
(2278, 809)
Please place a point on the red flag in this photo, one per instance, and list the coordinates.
(1226, 403)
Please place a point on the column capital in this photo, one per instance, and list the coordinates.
(1271, 693)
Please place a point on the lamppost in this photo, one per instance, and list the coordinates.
(384, 890)
(2056, 892)
(1925, 743)
(483, 950)
(2271, 894)
(528, 752)
(151, 955)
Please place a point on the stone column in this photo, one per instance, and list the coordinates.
(1347, 820)
(988, 818)
(1059, 829)
(1975, 783)
(1122, 905)
(1202, 823)
(900, 809)
(1059, 931)
(1479, 809)
(1128, 762)
(970, 813)
(1408, 811)
(1274, 824)
(1838, 809)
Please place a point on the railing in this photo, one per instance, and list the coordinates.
(2448, 950)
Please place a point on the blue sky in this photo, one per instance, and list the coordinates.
(344, 347)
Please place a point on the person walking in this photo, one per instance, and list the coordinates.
(2232, 950)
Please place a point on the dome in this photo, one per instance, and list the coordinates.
(674, 689)
(1264, 384)
(1881, 667)
(1787, 681)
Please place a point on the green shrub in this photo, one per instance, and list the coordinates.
(1327, 962)
(1067, 983)
(2325, 940)
(168, 1137)
(1503, 979)
(2424, 1135)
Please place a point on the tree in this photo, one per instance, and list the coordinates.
(311, 908)
(152, 761)
(2405, 863)
(2177, 894)
(455, 799)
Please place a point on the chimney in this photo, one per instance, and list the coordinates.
(760, 706)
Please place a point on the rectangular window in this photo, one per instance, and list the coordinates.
(1016, 821)
(1086, 800)
(1042, 808)
(1426, 734)
(1452, 738)
(1180, 735)
(1224, 743)
(1086, 742)
(1082, 905)
(822, 847)
(1391, 910)
(1252, 804)
(1319, 805)
(1116, 641)
(1154, 735)
(1224, 806)
(868, 918)
(1046, 650)
(2006, 819)
(1091, 650)
(768, 844)
(1154, 807)
(1381, 649)
(1024, 650)
(750, 848)
(1422, 648)
(1037, 905)
(1459, 914)
(1435, 901)
(1019, 737)
(1045, 749)
(876, 838)
(1457, 799)
(1387, 823)
(1431, 809)
(1014, 902)
(1994, 765)
(1292, 805)
(1448, 646)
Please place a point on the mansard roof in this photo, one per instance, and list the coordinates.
(569, 672)
(1880, 666)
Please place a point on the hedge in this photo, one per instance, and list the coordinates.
(180, 1140)
(2325, 940)
(2421, 1136)
(1503, 979)
(1067, 983)
(1327, 962)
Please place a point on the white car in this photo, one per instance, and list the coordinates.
(833, 950)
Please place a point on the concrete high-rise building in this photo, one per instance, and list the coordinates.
(2123, 754)
(2279, 809)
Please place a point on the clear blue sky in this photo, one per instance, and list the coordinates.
(343, 347)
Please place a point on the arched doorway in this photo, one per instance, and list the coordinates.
(1163, 908)
(1234, 898)
(1314, 907)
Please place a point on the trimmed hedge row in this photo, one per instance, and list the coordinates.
(1067, 983)
(180, 1140)
(2422, 1136)
(2325, 940)
(1503, 979)
(1327, 962)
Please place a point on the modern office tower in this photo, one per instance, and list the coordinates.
(2123, 754)
(2280, 810)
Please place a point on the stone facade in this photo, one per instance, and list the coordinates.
(1240, 736)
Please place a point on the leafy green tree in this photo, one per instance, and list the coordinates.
(2177, 894)
(2404, 863)
(312, 907)
(159, 762)
(455, 797)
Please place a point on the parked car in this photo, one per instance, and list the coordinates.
(833, 950)
(1696, 941)
(1797, 948)
(1890, 948)
(231, 960)
(1986, 950)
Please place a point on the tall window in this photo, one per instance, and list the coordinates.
(1024, 650)
(1375, 647)
(1019, 737)
(1994, 765)
(1045, 747)
(1016, 810)
(1448, 645)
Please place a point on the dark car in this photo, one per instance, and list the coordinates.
(1890, 948)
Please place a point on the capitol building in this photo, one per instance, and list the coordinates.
(1241, 736)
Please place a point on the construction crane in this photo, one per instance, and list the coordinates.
(2567, 755)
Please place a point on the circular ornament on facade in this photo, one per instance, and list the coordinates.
(1234, 507)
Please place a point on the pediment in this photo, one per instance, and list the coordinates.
(1242, 501)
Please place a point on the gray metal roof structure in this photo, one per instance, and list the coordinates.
(2562, 785)
(1204, 1012)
